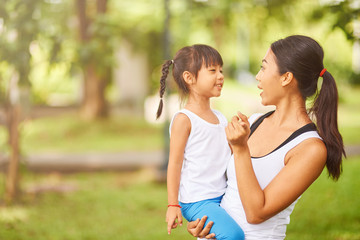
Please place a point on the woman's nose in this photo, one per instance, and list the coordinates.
(257, 77)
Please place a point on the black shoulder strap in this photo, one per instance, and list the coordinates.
(307, 128)
(255, 125)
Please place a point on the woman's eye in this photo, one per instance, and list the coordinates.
(261, 67)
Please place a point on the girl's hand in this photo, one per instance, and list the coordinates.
(238, 130)
(196, 228)
(173, 214)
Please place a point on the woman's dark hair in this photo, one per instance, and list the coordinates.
(303, 57)
(191, 59)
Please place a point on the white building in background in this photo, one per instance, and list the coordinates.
(131, 76)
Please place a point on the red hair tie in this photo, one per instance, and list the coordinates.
(322, 72)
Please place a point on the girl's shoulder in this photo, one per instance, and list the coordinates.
(182, 115)
(180, 121)
(220, 116)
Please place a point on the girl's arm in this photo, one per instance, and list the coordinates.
(180, 131)
(304, 164)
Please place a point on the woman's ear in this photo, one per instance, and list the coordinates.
(287, 78)
(188, 77)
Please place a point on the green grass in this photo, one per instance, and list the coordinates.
(69, 133)
(130, 206)
(349, 115)
(329, 210)
(105, 206)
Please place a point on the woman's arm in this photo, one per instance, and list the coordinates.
(304, 164)
(180, 131)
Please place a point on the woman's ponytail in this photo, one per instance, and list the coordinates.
(325, 110)
(165, 72)
(303, 56)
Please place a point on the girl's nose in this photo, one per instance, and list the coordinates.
(221, 75)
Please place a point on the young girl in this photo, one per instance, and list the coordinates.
(199, 151)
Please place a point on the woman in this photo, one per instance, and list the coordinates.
(277, 156)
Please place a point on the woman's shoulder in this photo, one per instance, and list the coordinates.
(253, 117)
(312, 150)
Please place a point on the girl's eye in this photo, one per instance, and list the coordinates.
(261, 67)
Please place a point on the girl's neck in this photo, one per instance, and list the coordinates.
(198, 104)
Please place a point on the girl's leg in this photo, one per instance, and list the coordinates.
(224, 226)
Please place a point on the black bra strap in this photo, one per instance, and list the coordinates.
(308, 127)
(255, 125)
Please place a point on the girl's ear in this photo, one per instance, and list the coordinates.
(287, 78)
(188, 77)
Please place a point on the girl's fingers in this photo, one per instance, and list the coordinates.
(180, 220)
(169, 228)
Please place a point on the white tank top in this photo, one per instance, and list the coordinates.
(206, 157)
(265, 168)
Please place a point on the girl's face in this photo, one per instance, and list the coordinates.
(269, 80)
(209, 82)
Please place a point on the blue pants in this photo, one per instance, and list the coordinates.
(224, 226)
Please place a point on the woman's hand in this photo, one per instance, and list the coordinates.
(197, 229)
(238, 130)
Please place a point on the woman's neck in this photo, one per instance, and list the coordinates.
(291, 112)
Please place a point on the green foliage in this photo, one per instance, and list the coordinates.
(346, 12)
(241, 31)
(19, 28)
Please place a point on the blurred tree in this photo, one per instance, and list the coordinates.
(95, 56)
(18, 29)
(347, 18)
(345, 12)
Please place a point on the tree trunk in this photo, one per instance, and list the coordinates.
(12, 178)
(101, 6)
(94, 104)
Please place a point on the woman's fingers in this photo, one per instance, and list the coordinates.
(195, 227)
(205, 232)
(201, 224)
(243, 118)
(210, 236)
(237, 131)
(193, 224)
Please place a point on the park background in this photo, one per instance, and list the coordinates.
(81, 154)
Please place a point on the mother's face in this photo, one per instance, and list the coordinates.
(269, 80)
